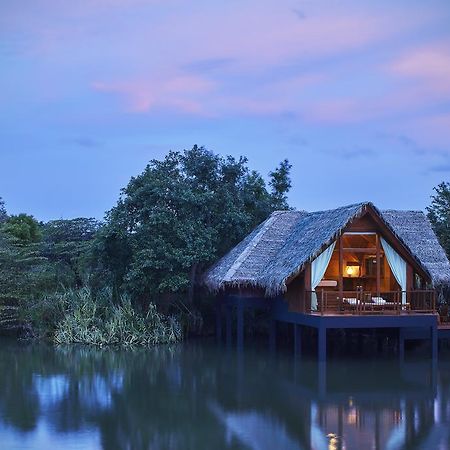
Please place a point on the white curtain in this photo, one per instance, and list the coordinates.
(318, 269)
(397, 265)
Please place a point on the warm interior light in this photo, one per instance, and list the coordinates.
(352, 270)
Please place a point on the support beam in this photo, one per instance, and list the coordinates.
(297, 340)
(219, 322)
(401, 345)
(240, 326)
(378, 266)
(322, 378)
(341, 268)
(272, 335)
(228, 325)
(322, 344)
(434, 342)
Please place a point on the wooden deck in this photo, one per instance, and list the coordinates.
(410, 323)
(361, 302)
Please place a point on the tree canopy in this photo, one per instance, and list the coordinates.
(24, 228)
(68, 243)
(3, 213)
(439, 214)
(179, 215)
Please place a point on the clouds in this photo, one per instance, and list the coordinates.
(223, 59)
(176, 92)
(245, 75)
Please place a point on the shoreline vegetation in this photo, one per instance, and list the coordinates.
(135, 278)
(77, 317)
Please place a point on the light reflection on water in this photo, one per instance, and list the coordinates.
(201, 396)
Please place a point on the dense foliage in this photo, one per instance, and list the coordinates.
(178, 216)
(36, 259)
(439, 214)
(3, 214)
(170, 223)
(76, 317)
(24, 228)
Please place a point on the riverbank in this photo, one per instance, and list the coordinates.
(79, 317)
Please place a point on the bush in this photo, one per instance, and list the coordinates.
(75, 316)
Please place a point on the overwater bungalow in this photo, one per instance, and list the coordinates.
(351, 267)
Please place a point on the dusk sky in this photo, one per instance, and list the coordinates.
(356, 94)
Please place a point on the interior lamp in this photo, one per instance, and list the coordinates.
(352, 270)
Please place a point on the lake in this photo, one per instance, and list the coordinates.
(199, 395)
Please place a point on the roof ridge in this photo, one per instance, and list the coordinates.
(279, 212)
(353, 205)
(403, 211)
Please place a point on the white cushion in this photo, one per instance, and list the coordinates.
(351, 301)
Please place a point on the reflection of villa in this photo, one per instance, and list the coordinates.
(396, 408)
(352, 267)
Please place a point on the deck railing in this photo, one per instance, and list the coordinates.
(363, 302)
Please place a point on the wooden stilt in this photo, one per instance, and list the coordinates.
(219, 322)
(297, 340)
(401, 345)
(240, 326)
(434, 342)
(322, 344)
(228, 325)
(272, 335)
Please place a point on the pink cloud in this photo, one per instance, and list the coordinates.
(176, 93)
(260, 34)
(430, 65)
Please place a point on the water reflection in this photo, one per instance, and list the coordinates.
(198, 396)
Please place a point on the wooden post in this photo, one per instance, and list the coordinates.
(228, 324)
(322, 344)
(307, 291)
(434, 342)
(297, 340)
(219, 321)
(240, 326)
(272, 335)
(409, 282)
(341, 268)
(378, 265)
(322, 378)
(401, 345)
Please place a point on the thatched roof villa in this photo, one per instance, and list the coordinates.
(354, 260)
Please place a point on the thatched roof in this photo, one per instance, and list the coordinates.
(278, 249)
(414, 229)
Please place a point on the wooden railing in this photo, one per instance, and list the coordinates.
(363, 302)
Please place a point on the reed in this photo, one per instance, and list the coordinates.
(82, 319)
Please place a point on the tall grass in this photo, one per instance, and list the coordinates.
(82, 319)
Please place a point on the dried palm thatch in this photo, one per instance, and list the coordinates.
(278, 249)
(414, 229)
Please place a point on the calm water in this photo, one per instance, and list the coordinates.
(200, 396)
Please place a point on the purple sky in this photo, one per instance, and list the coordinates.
(355, 93)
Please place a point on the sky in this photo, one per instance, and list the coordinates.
(356, 94)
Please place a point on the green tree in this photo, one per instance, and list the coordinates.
(24, 228)
(23, 272)
(67, 245)
(178, 216)
(439, 214)
(280, 182)
(3, 213)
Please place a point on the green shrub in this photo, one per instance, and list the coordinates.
(75, 316)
